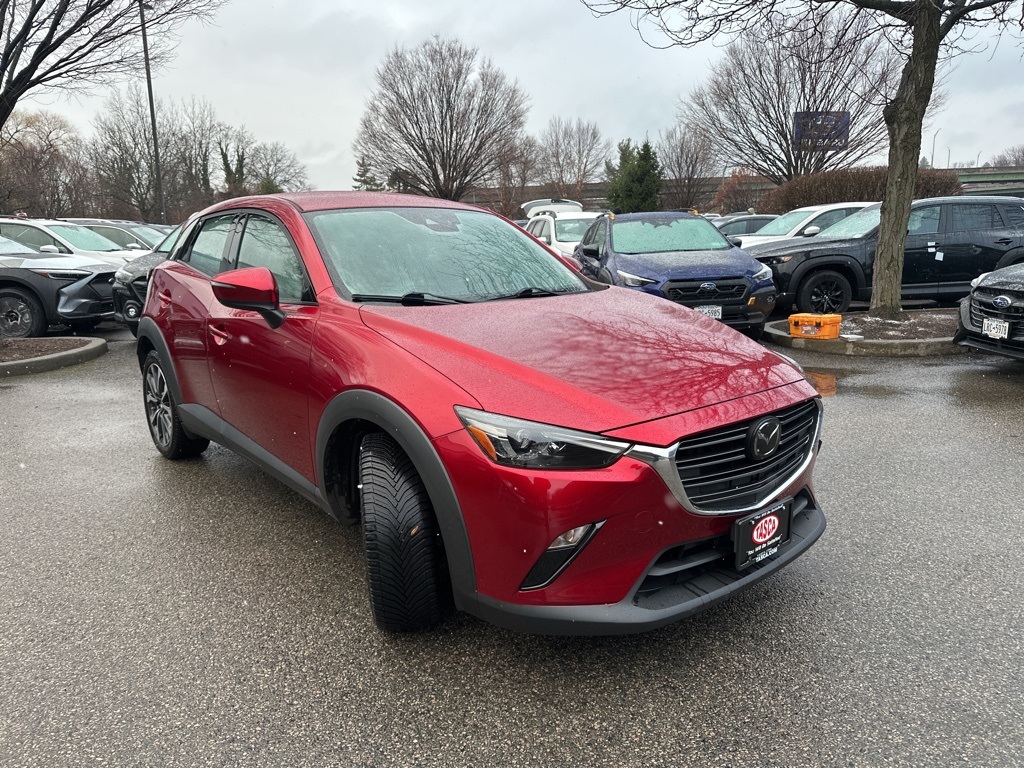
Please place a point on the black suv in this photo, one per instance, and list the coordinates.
(950, 242)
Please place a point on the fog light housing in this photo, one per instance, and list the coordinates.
(131, 310)
(556, 558)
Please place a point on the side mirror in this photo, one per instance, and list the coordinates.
(546, 239)
(811, 231)
(591, 251)
(49, 249)
(253, 289)
(735, 240)
(134, 247)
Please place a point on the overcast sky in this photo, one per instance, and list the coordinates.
(302, 76)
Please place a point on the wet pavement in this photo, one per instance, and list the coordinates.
(198, 613)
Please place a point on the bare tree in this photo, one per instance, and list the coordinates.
(748, 103)
(275, 168)
(121, 155)
(922, 30)
(688, 159)
(42, 168)
(571, 155)
(189, 168)
(1012, 157)
(440, 119)
(71, 44)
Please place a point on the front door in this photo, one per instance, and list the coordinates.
(922, 254)
(261, 374)
(977, 240)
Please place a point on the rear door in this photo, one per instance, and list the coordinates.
(978, 238)
(261, 374)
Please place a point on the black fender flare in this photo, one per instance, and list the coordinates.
(846, 263)
(395, 421)
(150, 333)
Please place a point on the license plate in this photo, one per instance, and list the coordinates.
(995, 329)
(758, 536)
(711, 310)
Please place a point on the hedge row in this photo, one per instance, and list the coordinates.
(852, 185)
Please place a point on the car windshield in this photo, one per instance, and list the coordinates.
(664, 234)
(148, 236)
(858, 224)
(462, 255)
(84, 238)
(571, 230)
(785, 223)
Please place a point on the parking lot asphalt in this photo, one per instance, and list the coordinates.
(198, 613)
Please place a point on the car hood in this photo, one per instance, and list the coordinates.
(688, 265)
(1005, 279)
(143, 264)
(54, 261)
(789, 245)
(594, 361)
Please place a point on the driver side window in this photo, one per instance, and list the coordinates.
(265, 243)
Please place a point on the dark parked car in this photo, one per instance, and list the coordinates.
(992, 316)
(683, 258)
(743, 225)
(38, 290)
(132, 280)
(556, 455)
(950, 241)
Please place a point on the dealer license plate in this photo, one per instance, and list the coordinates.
(760, 535)
(995, 329)
(711, 310)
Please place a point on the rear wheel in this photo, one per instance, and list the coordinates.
(21, 315)
(403, 551)
(824, 293)
(165, 427)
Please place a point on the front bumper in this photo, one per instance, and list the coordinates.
(969, 334)
(746, 311)
(129, 298)
(708, 584)
(86, 299)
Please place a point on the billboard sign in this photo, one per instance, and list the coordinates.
(821, 131)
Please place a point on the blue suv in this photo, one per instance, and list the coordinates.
(683, 258)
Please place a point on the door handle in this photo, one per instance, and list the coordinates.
(1004, 241)
(220, 336)
(165, 298)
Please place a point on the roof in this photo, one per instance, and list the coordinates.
(325, 200)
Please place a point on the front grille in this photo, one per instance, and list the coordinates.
(981, 307)
(728, 290)
(102, 285)
(718, 475)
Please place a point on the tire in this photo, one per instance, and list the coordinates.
(403, 551)
(825, 292)
(165, 427)
(21, 315)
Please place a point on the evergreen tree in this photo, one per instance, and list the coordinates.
(365, 180)
(636, 182)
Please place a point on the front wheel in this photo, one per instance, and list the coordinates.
(165, 427)
(403, 550)
(824, 293)
(21, 315)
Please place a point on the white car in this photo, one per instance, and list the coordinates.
(560, 224)
(801, 222)
(54, 236)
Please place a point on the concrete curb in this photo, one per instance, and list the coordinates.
(778, 333)
(93, 349)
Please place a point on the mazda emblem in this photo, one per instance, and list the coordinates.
(708, 287)
(763, 438)
(1002, 302)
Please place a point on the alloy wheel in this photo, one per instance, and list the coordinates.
(158, 405)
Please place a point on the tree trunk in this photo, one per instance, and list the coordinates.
(904, 116)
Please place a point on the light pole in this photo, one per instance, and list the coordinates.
(152, 115)
(934, 136)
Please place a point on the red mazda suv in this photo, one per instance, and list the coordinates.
(549, 453)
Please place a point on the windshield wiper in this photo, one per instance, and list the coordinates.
(531, 292)
(412, 299)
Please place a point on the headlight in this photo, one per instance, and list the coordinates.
(517, 443)
(764, 273)
(634, 281)
(123, 276)
(62, 274)
(979, 278)
(773, 260)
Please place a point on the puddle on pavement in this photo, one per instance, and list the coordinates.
(825, 383)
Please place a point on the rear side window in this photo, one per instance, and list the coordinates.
(968, 217)
(1014, 215)
(207, 252)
